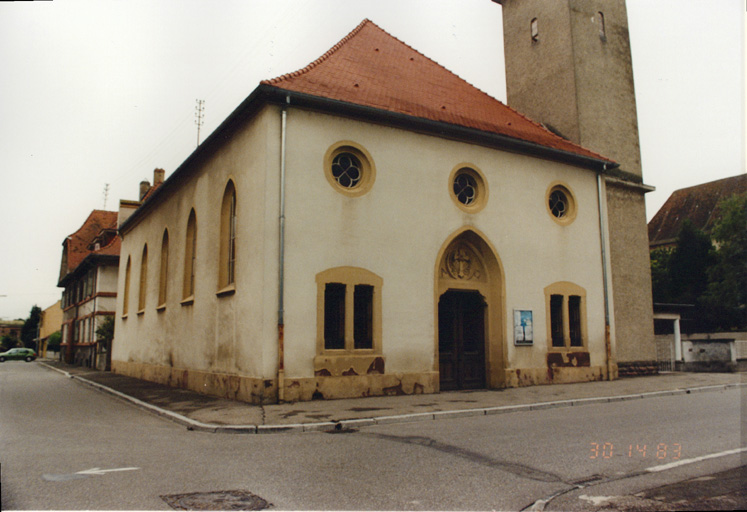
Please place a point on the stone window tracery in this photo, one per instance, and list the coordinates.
(561, 204)
(468, 188)
(349, 168)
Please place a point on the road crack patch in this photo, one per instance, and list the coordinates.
(518, 469)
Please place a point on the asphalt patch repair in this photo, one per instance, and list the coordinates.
(218, 500)
(721, 491)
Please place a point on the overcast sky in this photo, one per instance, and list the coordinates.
(102, 92)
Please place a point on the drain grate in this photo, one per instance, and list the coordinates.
(219, 500)
(340, 429)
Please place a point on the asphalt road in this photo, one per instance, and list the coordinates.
(65, 446)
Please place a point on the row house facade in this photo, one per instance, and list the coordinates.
(88, 274)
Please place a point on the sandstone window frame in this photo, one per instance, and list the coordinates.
(367, 168)
(143, 288)
(126, 295)
(228, 233)
(163, 277)
(352, 281)
(463, 177)
(190, 259)
(565, 305)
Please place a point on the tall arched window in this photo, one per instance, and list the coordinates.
(190, 258)
(227, 270)
(163, 277)
(143, 280)
(534, 30)
(126, 297)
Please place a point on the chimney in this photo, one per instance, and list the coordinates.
(158, 175)
(126, 208)
(144, 188)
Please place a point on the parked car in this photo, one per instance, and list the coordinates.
(26, 354)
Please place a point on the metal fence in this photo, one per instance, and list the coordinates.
(665, 353)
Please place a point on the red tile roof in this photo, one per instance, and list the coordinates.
(150, 191)
(698, 204)
(76, 245)
(371, 68)
(373, 74)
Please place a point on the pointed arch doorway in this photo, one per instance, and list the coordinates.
(470, 314)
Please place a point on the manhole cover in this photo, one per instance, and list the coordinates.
(220, 500)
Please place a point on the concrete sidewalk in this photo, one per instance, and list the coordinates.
(211, 414)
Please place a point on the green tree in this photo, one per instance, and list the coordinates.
(30, 327)
(54, 341)
(688, 265)
(105, 335)
(726, 295)
(8, 342)
(105, 331)
(660, 278)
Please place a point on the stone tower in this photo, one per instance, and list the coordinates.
(569, 66)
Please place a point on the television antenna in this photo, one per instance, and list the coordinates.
(199, 117)
(106, 194)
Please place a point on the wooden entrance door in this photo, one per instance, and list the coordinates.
(461, 340)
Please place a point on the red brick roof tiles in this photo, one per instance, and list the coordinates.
(150, 191)
(77, 244)
(371, 68)
(698, 204)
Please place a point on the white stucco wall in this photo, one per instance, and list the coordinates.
(397, 229)
(216, 334)
(106, 280)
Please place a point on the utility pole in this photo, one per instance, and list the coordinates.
(199, 117)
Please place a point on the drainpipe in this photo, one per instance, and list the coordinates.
(281, 257)
(603, 241)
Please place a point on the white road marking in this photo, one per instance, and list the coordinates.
(83, 474)
(539, 505)
(597, 500)
(683, 462)
(99, 471)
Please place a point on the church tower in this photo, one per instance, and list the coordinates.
(569, 66)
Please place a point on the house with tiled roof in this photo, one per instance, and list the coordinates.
(698, 204)
(11, 328)
(88, 275)
(371, 224)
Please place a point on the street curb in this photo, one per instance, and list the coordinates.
(347, 425)
(178, 418)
